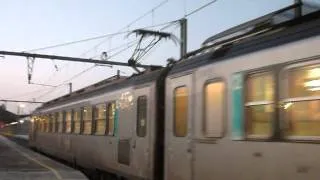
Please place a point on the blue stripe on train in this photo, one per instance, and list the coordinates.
(237, 107)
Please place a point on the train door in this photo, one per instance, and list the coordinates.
(178, 151)
(141, 133)
(123, 127)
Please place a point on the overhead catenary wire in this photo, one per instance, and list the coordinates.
(110, 50)
(80, 73)
(120, 32)
(200, 8)
(151, 11)
(113, 55)
(94, 38)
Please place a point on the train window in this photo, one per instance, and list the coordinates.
(60, 121)
(301, 108)
(111, 118)
(141, 116)
(87, 119)
(52, 123)
(180, 111)
(100, 119)
(46, 123)
(68, 118)
(49, 122)
(39, 123)
(56, 117)
(77, 121)
(259, 104)
(213, 109)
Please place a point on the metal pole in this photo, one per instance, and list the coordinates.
(298, 10)
(183, 37)
(70, 88)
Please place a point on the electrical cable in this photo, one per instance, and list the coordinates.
(103, 36)
(94, 38)
(80, 73)
(200, 8)
(131, 23)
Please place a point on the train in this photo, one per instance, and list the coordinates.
(246, 106)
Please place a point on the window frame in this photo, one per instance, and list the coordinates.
(65, 121)
(107, 119)
(174, 111)
(75, 110)
(52, 122)
(247, 104)
(82, 131)
(60, 122)
(47, 129)
(224, 103)
(146, 116)
(94, 131)
(284, 97)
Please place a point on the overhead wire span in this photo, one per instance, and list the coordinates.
(132, 22)
(93, 38)
(200, 8)
(80, 73)
(128, 31)
(93, 57)
(103, 36)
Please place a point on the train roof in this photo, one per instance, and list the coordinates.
(107, 85)
(262, 33)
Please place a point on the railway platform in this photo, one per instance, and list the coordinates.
(19, 163)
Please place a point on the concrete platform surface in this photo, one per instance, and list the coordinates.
(19, 163)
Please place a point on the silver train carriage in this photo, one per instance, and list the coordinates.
(248, 108)
(245, 106)
(113, 127)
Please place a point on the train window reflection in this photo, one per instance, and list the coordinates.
(52, 123)
(68, 121)
(259, 118)
(141, 116)
(260, 87)
(180, 111)
(213, 115)
(77, 121)
(303, 82)
(259, 104)
(301, 108)
(46, 123)
(303, 118)
(87, 119)
(60, 121)
(100, 119)
(111, 118)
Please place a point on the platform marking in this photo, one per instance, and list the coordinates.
(55, 172)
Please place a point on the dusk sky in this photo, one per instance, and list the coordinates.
(32, 24)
